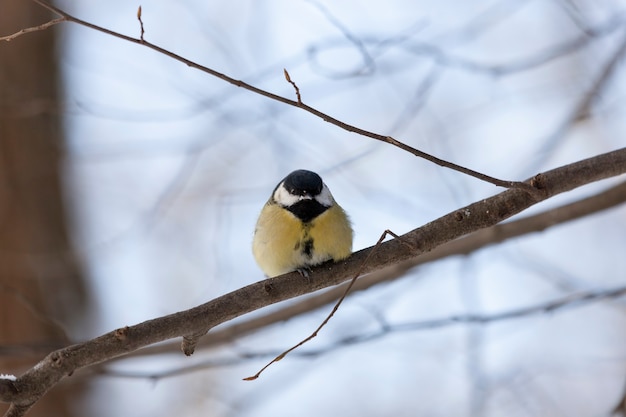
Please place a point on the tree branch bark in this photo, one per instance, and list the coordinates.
(32, 385)
(480, 239)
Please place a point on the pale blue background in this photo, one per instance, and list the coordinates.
(168, 168)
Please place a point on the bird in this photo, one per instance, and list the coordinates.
(300, 226)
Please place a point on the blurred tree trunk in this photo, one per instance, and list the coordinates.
(40, 283)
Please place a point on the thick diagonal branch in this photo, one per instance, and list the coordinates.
(29, 387)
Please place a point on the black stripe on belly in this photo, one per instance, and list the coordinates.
(305, 246)
(308, 248)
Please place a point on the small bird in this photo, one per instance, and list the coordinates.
(300, 226)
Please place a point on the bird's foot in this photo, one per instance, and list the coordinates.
(305, 272)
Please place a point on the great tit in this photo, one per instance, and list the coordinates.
(300, 226)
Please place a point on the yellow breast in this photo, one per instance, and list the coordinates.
(282, 243)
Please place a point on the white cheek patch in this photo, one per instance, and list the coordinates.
(284, 197)
(325, 198)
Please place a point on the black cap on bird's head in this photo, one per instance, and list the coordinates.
(304, 194)
(303, 183)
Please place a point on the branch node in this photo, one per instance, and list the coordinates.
(188, 346)
(121, 333)
(56, 359)
(413, 248)
(538, 182)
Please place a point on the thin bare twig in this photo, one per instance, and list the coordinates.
(294, 103)
(43, 26)
(295, 86)
(332, 312)
(140, 24)
(556, 305)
